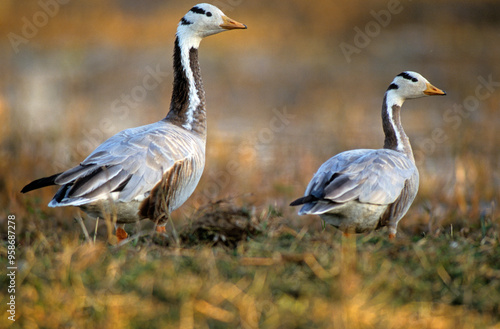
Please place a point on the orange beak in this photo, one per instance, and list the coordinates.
(431, 90)
(230, 24)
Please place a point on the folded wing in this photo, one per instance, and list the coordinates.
(367, 176)
(128, 165)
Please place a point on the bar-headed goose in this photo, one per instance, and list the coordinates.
(149, 171)
(362, 190)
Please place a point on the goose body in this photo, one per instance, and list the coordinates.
(362, 190)
(149, 171)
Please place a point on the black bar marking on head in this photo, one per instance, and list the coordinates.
(393, 86)
(185, 21)
(407, 76)
(198, 10)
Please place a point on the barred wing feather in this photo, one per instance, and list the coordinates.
(130, 163)
(369, 176)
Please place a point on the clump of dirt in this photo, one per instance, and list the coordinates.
(221, 223)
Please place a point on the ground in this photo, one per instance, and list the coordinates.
(250, 268)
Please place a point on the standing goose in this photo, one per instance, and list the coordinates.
(149, 171)
(362, 190)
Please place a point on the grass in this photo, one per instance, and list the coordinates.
(275, 277)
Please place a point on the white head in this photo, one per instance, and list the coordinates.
(203, 20)
(410, 84)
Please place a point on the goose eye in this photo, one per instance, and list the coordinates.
(209, 14)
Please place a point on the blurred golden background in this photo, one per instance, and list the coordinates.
(304, 82)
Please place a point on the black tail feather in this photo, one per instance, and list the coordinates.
(39, 183)
(303, 200)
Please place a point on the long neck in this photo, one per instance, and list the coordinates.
(395, 137)
(187, 107)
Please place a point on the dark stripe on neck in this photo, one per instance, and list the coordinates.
(179, 104)
(391, 140)
(199, 123)
(180, 91)
(393, 126)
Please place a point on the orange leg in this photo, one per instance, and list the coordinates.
(161, 229)
(392, 228)
(121, 234)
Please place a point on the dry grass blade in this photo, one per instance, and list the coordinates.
(213, 312)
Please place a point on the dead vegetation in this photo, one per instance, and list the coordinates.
(221, 223)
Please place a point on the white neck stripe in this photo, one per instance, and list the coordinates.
(391, 100)
(185, 45)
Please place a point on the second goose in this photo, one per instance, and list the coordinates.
(362, 190)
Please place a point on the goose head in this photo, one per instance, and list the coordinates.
(410, 84)
(203, 20)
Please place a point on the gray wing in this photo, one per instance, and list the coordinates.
(367, 176)
(128, 165)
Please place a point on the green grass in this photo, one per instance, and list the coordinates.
(276, 277)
